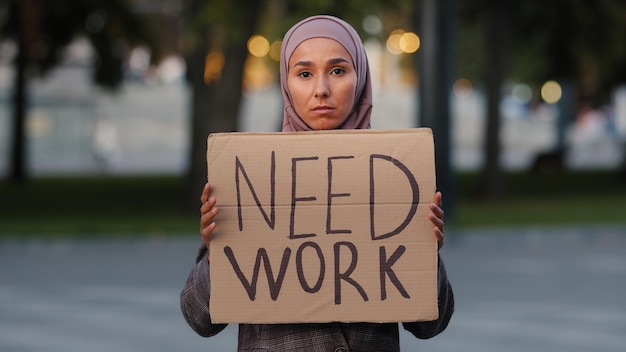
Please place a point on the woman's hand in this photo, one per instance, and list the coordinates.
(436, 217)
(208, 210)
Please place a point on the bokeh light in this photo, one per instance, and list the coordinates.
(258, 46)
(39, 124)
(393, 42)
(213, 65)
(551, 92)
(257, 76)
(522, 93)
(400, 42)
(95, 22)
(463, 88)
(372, 25)
(275, 50)
(409, 42)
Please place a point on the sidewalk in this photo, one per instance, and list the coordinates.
(528, 289)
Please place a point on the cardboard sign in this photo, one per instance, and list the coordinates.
(323, 227)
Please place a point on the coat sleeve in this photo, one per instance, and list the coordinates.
(428, 329)
(195, 296)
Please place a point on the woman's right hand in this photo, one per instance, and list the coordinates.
(208, 210)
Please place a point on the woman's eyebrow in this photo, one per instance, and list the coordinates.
(338, 60)
(333, 61)
(303, 63)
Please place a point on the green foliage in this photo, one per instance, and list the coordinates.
(110, 25)
(282, 14)
(552, 39)
(469, 52)
(584, 197)
(94, 206)
(217, 15)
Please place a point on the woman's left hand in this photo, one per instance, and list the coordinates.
(436, 217)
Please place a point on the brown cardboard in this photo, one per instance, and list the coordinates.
(272, 191)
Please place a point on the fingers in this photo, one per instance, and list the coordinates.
(208, 211)
(207, 225)
(438, 199)
(440, 236)
(206, 232)
(206, 192)
(436, 218)
(436, 212)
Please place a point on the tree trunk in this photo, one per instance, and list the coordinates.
(201, 103)
(215, 106)
(435, 71)
(25, 14)
(17, 173)
(497, 37)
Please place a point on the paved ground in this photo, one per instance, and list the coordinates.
(517, 290)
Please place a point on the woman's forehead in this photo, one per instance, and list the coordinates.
(320, 47)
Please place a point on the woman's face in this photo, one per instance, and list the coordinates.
(322, 83)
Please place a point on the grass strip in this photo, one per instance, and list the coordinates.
(152, 205)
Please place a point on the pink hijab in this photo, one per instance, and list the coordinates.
(340, 31)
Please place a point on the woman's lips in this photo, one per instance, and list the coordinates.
(323, 110)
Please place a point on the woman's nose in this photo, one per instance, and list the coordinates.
(321, 88)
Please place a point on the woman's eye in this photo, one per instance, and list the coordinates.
(337, 71)
(305, 74)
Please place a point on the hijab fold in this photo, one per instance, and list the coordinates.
(323, 26)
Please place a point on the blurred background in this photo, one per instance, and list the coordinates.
(105, 107)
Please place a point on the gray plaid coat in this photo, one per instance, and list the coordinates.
(339, 337)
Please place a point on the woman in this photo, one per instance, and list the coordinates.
(325, 85)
